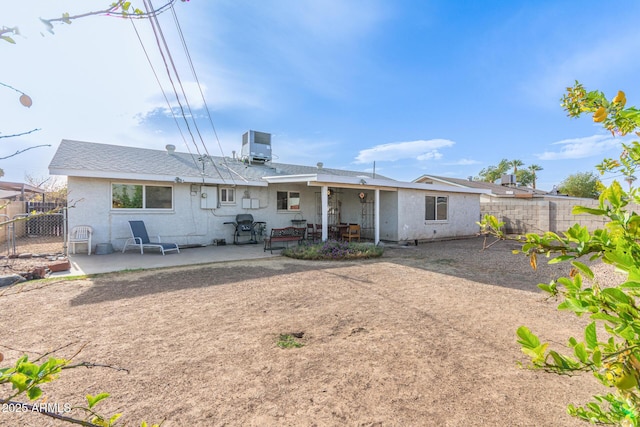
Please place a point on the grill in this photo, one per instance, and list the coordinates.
(245, 229)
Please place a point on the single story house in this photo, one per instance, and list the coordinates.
(524, 209)
(190, 198)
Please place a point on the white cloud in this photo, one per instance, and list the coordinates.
(463, 162)
(419, 150)
(580, 148)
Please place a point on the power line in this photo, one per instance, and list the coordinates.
(195, 76)
(164, 94)
(166, 54)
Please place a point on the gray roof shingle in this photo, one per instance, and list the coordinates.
(79, 158)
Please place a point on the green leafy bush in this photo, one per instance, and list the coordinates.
(610, 346)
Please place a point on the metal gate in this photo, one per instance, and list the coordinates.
(367, 219)
(37, 233)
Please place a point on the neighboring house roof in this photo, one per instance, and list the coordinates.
(93, 160)
(13, 189)
(495, 189)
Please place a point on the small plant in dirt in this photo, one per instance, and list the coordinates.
(610, 346)
(334, 250)
(289, 341)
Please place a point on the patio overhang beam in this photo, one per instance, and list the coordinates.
(351, 186)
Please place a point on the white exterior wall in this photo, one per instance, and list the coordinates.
(389, 216)
(187, 223)
(401, 213)
(463, 213)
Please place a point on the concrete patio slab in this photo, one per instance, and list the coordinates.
(82, 264)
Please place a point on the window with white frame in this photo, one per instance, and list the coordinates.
(139, 196)
(436, 208)
(288, 200)
(227, 196)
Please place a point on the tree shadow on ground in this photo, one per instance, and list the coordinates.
(465, 258)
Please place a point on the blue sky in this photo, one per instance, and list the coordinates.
(418, 87)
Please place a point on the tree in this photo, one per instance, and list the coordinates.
(532, 170)
(119, 8)
(493, 173)
(524, 177)
(610, 346)
(581, 184)
(55, 189)
(515, 164)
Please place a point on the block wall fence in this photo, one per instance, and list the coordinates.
(538, 216)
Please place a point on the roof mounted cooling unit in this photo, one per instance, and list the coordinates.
(508, 179)
(256, 146)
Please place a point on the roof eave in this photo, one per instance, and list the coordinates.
(152, 177)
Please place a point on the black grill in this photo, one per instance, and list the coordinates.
(245, 228)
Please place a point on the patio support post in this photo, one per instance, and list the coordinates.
(325, 212)
(377, 217)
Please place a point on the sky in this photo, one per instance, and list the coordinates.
(399, 87)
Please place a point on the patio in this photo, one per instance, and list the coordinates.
(82, 264)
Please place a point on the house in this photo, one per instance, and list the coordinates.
(524, 209)
(190, 198)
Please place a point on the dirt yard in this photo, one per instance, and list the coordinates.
(424, 336)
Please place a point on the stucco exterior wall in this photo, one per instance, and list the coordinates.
(462, 215)
(187, 223)
(389, 216)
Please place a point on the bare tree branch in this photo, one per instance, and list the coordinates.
(26, 149)
(20, 134)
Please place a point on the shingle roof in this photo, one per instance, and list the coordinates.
(79, 158)
(498, 190)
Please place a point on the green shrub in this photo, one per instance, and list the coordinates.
(609, 347)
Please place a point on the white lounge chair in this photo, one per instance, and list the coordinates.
(140, 238)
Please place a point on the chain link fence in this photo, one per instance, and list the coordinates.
(42, 231)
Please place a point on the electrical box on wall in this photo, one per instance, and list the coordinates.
(250, 203)
(208, 197)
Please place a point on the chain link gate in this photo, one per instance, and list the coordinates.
(43, 233)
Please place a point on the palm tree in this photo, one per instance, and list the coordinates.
(630, 179)
(533, 169)
(515, 164)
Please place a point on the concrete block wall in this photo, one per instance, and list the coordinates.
(537, 216)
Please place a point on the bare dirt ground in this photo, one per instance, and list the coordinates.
(424, 336)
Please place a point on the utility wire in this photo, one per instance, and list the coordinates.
(164, 94)
(204, 101)
(160, 37)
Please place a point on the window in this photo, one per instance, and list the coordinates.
(436, 208)
(288, 201)
(228, 196)
(137, 196)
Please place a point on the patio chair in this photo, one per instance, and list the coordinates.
(80, 234)
(140, 238)
(313, 233)
(352, 232)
